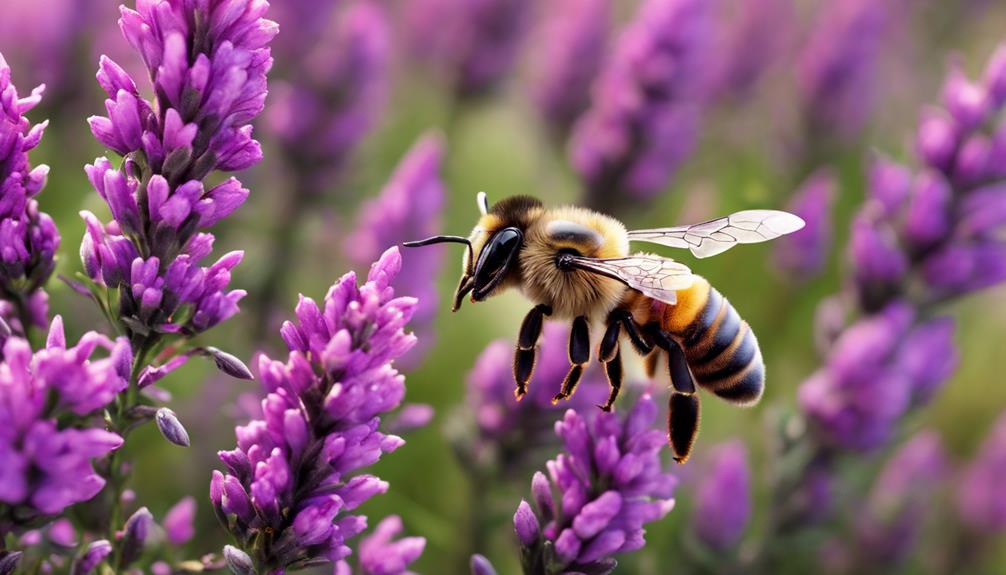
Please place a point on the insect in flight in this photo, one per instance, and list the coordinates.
(575, 264)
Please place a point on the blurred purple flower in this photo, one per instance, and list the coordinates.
(481, 566)
(508, 430)
(611, 483)
(210, 83)
(47, 465)
(750, 36)
(95, 553)
(981, 496)
(40, 38)
(28, 237)
(643, 118)
(178, 521)
(410, 207)
(804, 254)
(723, 497)
(293, 473)
(571, 46)
(411, 417)
(335, 83)
(889, 526)
(472, 43)
(837, 69)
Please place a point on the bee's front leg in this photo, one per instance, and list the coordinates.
(579, 356)
(527, 341)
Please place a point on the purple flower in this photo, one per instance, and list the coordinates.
(178, 521)
(981, 497)
(571, 47)
(410, 206)
(750, 37)
(837, 68)
(28, 238)
(610, 482)
(380, 554)
(95, 553)
(643, 117)
(890, 523)
(41, 43)
(481, 566)
(509, 431)
(210, 83)
(294, 474)
(335, 85)
(46, 465)
(805, 253)
(472, 43)
(723, 497)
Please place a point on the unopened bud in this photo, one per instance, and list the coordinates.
(8, 561)
(95, 554)
(171, 428)
(135, 536)
(229, 364)
(238, 561)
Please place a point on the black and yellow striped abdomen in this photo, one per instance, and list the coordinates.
(721, 350)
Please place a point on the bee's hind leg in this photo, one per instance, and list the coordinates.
(527, 341)
(683, 407)
(579, 355)
(611, 357)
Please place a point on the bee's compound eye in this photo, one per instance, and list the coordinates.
(495, 259)
(574, 234)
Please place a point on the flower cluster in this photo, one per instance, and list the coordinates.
(408, 208)
(28, 237)
(837, 68)
(291, 482)
(474, 44)
(722, 505)
(917, 241)
(336, 85)
(643, 120)
(46, 444)
(750, 37)
(508, 431)
(611, 483)
(573, 42)
(208, 64)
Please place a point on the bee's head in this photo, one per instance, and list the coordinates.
(491, 257)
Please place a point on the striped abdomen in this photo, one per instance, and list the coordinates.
(721, 350)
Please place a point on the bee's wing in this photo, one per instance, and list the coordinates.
(719, 235)
(654, 276)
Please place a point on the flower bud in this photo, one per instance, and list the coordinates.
(481, 566)
(937, 139)
(238, 561)
(526, 525)
(171, 428)
(95, 554)
(8, 561)
(229, 364)
(134, 538)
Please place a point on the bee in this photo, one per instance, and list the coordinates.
(575, 265)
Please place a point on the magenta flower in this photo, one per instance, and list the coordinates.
(293, 480)
(611, 483)
(804, 253)
(410, 206)
(381, 554)
(46, 464)
(28, 237)
(210, 83)
(178, 521)
(981, 496)
(643, 120)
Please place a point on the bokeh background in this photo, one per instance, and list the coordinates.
(761, 131)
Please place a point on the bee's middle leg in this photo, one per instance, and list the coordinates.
(527, 342)
(579, 355)
(611, 357)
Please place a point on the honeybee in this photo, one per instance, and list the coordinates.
(575, 265)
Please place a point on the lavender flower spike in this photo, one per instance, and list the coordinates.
(47, 466)
(210, 83)
(723, 500)
(28, 237)
(380, 555)
(294, 478)
(571, 48)
(474, 45)
(981, 499)
(804, 254)
(611, 483)
(409, 207)
(336, 85)
(643, 120)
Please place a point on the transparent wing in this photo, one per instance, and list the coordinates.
(719, 235)
(654, 276)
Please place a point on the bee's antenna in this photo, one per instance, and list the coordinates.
(483, 201)
(446, 240)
